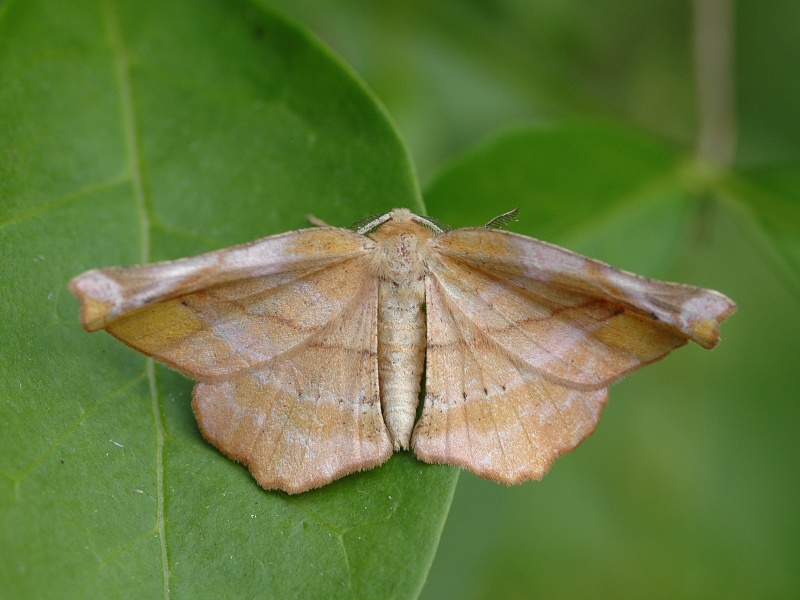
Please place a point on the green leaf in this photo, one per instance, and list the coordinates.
(771, 195)
(140, 131)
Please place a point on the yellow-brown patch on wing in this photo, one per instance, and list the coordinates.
(567, 337)
(94, 312)
(152, 328)
(215, 332)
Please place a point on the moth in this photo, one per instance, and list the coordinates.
(308, 347)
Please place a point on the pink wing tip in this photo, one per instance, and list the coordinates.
(705, 314)
(98, 296)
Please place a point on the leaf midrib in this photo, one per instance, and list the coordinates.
(135, 167)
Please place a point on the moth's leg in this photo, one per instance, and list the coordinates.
(316, 222)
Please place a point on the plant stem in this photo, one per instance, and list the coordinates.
(714, 78)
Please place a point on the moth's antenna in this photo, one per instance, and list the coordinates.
(434, 225)
(501, 221)
(367, 224)
(356, 225)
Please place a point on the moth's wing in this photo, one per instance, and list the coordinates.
(529, 264)
(281, 335)
(218, 313)
(523, 340)
(487, 411)
(107, 294)
(310, 414)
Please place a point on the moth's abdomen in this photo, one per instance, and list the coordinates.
(401, 355)
(399, 263)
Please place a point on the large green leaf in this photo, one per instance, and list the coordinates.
(138, 131)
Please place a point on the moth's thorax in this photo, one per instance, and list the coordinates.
(401, 254)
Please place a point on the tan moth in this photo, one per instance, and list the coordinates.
(308, 347)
